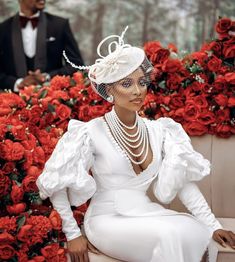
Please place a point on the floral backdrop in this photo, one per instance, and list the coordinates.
(197, 90)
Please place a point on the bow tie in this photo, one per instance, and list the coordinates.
(24, 20)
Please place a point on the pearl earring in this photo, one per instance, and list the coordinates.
(110, 99)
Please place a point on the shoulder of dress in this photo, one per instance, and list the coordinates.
(75, 124)
(174, 128)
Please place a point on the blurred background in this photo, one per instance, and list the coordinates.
(186, 23)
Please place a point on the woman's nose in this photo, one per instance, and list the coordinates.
(137, 89)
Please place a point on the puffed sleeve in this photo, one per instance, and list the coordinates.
(68, 166)
(181, 164)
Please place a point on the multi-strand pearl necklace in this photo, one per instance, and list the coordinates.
(129, 141)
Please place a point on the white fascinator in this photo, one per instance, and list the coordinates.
(122, 59)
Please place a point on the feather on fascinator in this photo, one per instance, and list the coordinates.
(122, 60)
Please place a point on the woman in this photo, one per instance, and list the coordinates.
(126, 153)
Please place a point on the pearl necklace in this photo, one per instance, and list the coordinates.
(126, 140)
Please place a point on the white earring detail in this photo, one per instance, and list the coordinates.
(110, 99)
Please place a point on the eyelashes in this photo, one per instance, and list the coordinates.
(129, 82)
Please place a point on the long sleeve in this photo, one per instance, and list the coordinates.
(65, 178)
(181, 164)
(194, 201)
(61, 203)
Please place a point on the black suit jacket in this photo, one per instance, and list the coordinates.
(54, 35)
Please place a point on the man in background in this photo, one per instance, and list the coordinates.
(31, 46)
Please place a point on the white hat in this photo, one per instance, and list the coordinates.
(122, 60)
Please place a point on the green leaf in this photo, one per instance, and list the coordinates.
(162, 84)
(195, 68)
(43, 94)
(13, 176)
(9, 127)
(20, 221)
(51, 108)
(72, 82)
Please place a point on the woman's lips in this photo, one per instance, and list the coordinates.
(137, 101)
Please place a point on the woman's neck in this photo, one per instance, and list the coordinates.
(125, 115)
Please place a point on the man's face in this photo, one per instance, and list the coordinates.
(33, 5)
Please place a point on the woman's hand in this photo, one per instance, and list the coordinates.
(224, 237)
(78, 249)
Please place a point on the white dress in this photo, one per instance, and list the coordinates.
(121, 220)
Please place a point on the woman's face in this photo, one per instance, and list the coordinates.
(130, 92)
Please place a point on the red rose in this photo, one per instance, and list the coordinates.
(152, 47)
(5, 110)
(28, 160)
(37, 259)
(63, 112)
(229, 50)
(231, 101)
(177, 115)
(195, 128)
(55, 219)
(17, 193)
(172, 47)
(221, 100)
(35, 112)
(223, 130)
(223, 25)
(33, 171)
(83, 113)
(230, 78)
(4, 184)
(176, 101)
(54, 252)
(8, 223)
(16, 208)
(97, 111)
(11, 151)
(6, 238)
(78, 77)
(196, 86)
(214, 64)
(174, 81)
(206, 118)
(160, 56)
(191, 111)
(171, 65)
(41, 226)
(29, 183)
(43, 136)
(58, 94)
(201, 57)
(216, 47)
(6, 252)
(39, 155)
(59, 82)
(8, 167)
(25, 233)
(220, 83)
(200, 101)
(222, 115)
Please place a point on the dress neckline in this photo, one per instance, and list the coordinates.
(124, 154)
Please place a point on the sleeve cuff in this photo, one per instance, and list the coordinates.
(17, 82)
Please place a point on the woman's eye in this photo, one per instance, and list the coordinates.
(127, 83)
(142, 82)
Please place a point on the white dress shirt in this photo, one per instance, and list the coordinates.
(29, 38)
